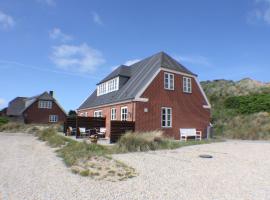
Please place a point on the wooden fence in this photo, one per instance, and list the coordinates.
(119, 128)
(84, 122)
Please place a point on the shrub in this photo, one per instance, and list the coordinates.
(249, 104)
(3, 120)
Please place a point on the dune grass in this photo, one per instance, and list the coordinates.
(150, 141)
(95, 161)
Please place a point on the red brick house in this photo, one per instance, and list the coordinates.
(157, 93)
(40, 109)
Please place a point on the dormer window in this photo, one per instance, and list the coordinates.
(108, 86)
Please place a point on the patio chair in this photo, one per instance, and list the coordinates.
(82, 132)
(101, 133)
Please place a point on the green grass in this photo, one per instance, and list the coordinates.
(150, 141)
(3, 120)
(95, 160)
(13, 127)
(52, 138)
(75, 151)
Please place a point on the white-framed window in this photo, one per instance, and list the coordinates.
(113, 114)
(53, 118)
(166, 117)
(86, 114)
(108, 86)
(187, 85)
(98, 113)
(168, 81)
(45, 104)
(124, 113)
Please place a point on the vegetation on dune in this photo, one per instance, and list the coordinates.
(236, 106)
(96, 160)
(3, 120)
(249, 104)
(146, 141)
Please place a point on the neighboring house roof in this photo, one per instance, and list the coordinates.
(139, 75)
(18, 105)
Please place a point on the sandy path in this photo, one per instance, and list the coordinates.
(239, 170)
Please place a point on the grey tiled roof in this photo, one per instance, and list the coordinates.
(20, 104)
(139, 74)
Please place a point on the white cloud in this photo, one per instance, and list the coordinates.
(261, 12)
(81, 58)
(2, 101)
(6, 21)
(96, 18)
(48, 2)
(57, 34)
(196, 60)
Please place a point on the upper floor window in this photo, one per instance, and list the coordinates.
(53, 118)
(187, 86)
(113, 114)
(124, 113)
(108, 86)
(168, 81)
(166, 117)
(45, 104)
(98, 113)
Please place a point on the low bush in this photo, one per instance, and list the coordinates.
(249, 104)
(3, 120)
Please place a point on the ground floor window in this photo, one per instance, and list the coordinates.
(98, 113)
(113, 114)
(166, 117)
(124, 114)
(53, 118)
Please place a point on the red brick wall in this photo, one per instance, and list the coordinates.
(106, 112)
(41, 115)
(187, 109)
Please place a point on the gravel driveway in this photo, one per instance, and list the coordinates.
(238, 170)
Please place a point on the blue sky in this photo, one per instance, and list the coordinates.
(68, 46)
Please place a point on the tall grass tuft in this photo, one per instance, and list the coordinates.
(76, 151)
(52, 138)
(252, 127)
(146, 141)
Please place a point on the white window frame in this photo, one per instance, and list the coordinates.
(108, 86)
(124, 114)
(98, 113)
(45, 104)
(113, 113)
(187, 84)
(168, 122)
(53, 118)
(170, 79)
